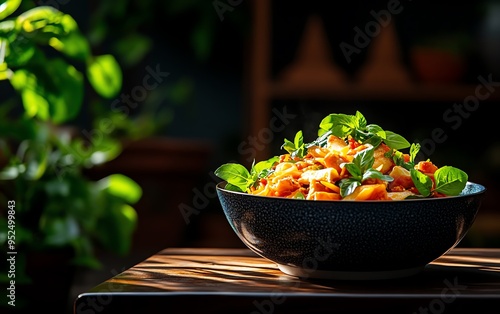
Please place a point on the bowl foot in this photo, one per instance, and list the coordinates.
(349, 275)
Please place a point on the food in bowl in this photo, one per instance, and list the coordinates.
(350, 160)
(350, 205)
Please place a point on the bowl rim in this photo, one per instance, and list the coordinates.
(482, 189)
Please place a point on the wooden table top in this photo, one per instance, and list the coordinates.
(181, 280)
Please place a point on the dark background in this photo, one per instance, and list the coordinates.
(188, 39)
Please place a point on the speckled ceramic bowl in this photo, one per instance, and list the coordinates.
(351, 240)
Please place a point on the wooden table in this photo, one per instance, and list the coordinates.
(204, 280)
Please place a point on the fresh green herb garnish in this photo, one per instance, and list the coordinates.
(321, 141)
(422, 182)
(263, 168)
(299, 196)
(296, 148)
(239, 178)
(361, 169)
(448, 181)
(398, 158)
(414, 149)
(343, 125)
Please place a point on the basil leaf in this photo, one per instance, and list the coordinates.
(8, 7)
(341, 125)
(297, 147)
(422, 182)
(105, 75)
(353, 169)
(397, 157)
(450, 180)
(322, 140)
(395, 141)
(360, 120)
(288, 146)
(375, 141)
(375, 174)
(231, 187)
(262, 168)
(376, 130)
(298, 140)
(235, 174)
(360, 135)
(347, 186)
(414, 149)
(364, 159)
(300, 149)
(322, 132)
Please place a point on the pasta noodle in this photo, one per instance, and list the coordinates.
(316, 176)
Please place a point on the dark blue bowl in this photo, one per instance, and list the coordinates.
(350, 240)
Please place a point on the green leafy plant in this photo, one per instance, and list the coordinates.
(50, 68)
(134, 41)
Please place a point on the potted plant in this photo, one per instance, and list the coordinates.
(167, 163)
(52, 214)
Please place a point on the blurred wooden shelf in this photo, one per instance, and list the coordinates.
(417, 92)
(314, 74)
